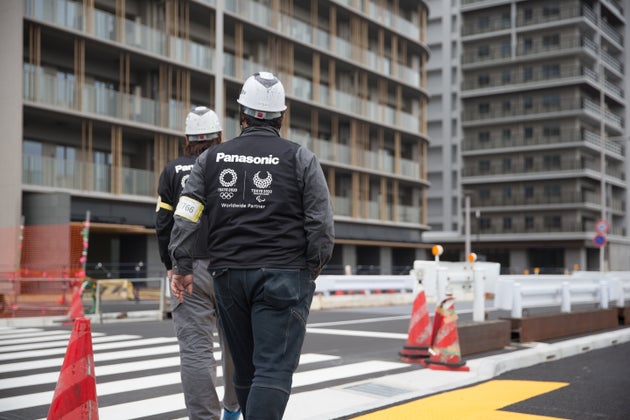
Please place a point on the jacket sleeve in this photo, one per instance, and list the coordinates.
(164, 217)
(318, 212)
(185, 229)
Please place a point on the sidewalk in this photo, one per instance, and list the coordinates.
(362, 396)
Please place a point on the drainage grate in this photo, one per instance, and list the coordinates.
(376, 389)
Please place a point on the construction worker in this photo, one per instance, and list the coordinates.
(271, 233)
(195, 319)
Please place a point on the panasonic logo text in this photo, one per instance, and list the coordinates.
(257, 160)
(183, 168)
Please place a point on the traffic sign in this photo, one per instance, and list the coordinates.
(599, 240)
(602, 226)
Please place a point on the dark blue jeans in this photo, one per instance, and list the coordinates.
(264, 313)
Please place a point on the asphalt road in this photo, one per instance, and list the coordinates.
(358, 376)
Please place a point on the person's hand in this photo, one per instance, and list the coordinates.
(180, 284)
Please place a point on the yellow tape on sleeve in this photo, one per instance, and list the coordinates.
(162, 205)
(189, 208)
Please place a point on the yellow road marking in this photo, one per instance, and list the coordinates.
(477, 402)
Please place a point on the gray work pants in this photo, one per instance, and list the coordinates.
(195, 323)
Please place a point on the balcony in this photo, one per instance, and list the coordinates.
(565, 12)
(405, 214)
(538, 108)
(569, 198)
(520, 79)
(59, 91)
(82, 176)
(567, 135)
(538, 227)
(565, 167)
(380, 161)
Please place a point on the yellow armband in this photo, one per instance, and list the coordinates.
(189, 208)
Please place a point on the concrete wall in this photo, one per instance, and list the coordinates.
(11, 137)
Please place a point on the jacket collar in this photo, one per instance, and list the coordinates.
(260, 131)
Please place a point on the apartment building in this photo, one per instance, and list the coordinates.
(544, 147)
(95, 93)
(444, 198)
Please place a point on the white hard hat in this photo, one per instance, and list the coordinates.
(202, 124)
(262, 96)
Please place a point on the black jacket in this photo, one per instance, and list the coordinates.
(268, 206)
(172, 181)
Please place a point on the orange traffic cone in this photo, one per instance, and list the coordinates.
(445, 350)
(75, 393)
(76, 308)
(419, 336)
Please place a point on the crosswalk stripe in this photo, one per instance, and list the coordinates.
(101, 372)
(354, 333)
(48, 337)
(98, 357)
(34, 333)
(64, 343)
(98, 347)
(145, 408)
(13, 330)
(343, 371)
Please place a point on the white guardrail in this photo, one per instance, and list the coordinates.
(518, 292)
(471, 281)
(465, 281)
(330, 284)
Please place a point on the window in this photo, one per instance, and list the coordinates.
(528, 163)
(552, 190)
(551, 162)
(484, 136)
(527, 44)
(528, 74)
(484, 194)
(507, 76)
(551, 131)
(552, 222)
(484, 166)
(528, 103)
(506, 18)
(483, 79)
(506, 48)
(529, 222)
(551, 10)
(507, 165)
(550, 71)
(506, 105)
(483, 22)
(528, 14)
(528, 191)
(551, 101)
(528, 132)
(551, 40)
(102, 168)
(484, 223)
(483, 51)
(507, 223)
(506, 134)
(507, 192)
(484, 108)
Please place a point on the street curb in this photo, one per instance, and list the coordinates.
(345, 401)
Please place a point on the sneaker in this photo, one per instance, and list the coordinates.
(231, 415)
